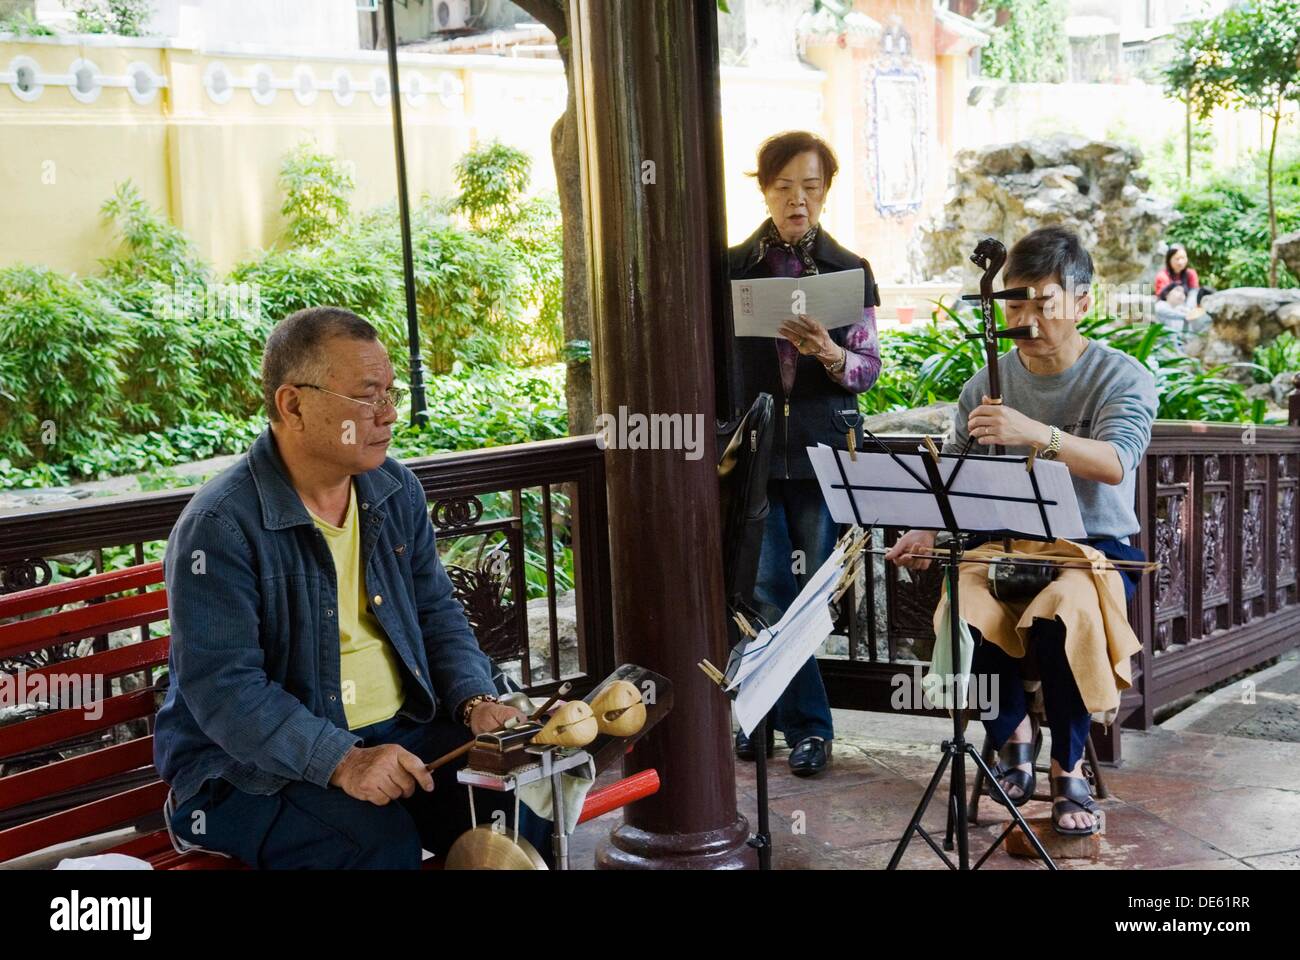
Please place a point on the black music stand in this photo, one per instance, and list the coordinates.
(957, 749)
(761, 840)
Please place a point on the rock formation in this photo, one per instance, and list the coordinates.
(1288, 251)
(1007, 190)
(1243, 318)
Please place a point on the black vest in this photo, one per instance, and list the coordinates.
(817, 409)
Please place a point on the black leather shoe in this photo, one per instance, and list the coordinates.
(745, 746)
(810, 756)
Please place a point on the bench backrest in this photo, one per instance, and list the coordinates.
(106, 602)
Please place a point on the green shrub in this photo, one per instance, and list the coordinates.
(1030, 47)
(317, 191)
(24, 24)
(1280, 356)
(125, 18)
(493, 180)
(342, 271)
(196, 342)
(61, 343)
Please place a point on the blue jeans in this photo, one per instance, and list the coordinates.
(797, 521)
(303, 826)
(1067, 717)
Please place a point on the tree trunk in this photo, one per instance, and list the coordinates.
(578, 385)
(1272, 206)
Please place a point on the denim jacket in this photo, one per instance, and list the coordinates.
(254, 693)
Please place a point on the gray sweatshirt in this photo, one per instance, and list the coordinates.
(1105, 395)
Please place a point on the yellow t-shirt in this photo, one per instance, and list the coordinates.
(371, 678)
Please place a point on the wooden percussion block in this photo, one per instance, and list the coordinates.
(1058, 846)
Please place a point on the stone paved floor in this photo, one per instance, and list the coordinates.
(1180, 799)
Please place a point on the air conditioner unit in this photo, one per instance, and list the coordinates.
(451, 15)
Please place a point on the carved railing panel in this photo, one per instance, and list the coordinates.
(1171, 525)
(1215, 554)
(1283, 529)
(1252, 547)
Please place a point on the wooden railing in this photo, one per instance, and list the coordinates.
(1218, 509)
(497, 512)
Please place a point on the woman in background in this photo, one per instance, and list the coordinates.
(1177, 271)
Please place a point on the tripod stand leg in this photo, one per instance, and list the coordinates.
(920, 809)
(978, 790)
(952, 821)
(762, 840)
(958, 792)
(1015, 812)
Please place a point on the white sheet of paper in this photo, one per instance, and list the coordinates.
(773, 657)
(990, 495)
(759, 307)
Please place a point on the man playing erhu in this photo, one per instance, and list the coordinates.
(1090, 407)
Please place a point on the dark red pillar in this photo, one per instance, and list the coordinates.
(646, 82)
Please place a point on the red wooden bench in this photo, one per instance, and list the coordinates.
(115, 785)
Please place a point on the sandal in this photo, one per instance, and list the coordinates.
(1010, 756)
(1071, 795)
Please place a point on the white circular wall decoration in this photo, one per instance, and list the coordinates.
(451, 91)
(26, 84)
(142, 83)
(304, 85)
(344, 89)
(261, 84)
(216, 80)
(379, 87)
(414, 87)
(85, 85)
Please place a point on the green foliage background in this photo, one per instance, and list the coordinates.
(1031, 46)
(154, 361)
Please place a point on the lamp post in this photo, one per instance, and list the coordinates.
(418, 402)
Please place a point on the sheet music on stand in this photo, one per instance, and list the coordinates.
(995, 495)
(769, 662)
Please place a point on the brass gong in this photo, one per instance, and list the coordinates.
(488, 848)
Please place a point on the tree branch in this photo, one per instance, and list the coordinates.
(552, 14)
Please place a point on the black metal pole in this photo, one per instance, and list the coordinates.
(418, 403)
(762, 841)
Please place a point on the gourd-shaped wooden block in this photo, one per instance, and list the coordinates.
(619, 710)
(572, 725)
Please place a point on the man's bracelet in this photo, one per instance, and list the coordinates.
(467, 708)
(1053, 448)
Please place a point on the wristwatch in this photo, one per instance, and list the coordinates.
(1053, 449)
(467, 708)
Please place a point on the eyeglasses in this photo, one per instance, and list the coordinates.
(393, 398)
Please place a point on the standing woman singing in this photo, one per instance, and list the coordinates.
(814, 375)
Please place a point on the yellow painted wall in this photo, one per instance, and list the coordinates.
(213, 167)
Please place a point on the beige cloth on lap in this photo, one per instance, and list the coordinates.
(1089, 602)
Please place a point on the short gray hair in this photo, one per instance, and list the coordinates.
(293, 350)
(1051, 252)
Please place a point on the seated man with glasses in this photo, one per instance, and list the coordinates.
(319, 658)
